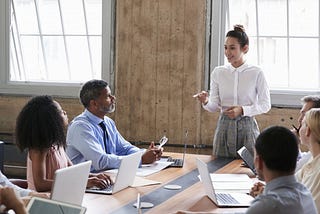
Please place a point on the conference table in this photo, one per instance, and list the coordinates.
(190, 198)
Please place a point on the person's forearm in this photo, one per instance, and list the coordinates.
(20, 208)
(44, 185)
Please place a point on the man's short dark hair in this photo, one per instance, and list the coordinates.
(315, 99)
(91, 90)
(278, 147)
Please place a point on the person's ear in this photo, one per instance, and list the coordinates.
(245, 49)
(308, 131)
(258, 162)
(93, 104)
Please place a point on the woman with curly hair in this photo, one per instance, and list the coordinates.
(40, 128)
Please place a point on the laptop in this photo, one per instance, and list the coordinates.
(247, 157)
(177, 162)
(42, 205)
(221, 199)
(125, 175)
(70, 183)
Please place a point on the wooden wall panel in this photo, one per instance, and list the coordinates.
(177, 70)
(194, 60)
(165, 48)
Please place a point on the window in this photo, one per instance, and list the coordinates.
(284, 41)
(55, 43)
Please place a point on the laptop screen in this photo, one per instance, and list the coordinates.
(41, 205)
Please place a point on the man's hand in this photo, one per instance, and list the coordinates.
(257, 189)
(152, 154)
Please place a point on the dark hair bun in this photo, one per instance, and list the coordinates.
(239, 28)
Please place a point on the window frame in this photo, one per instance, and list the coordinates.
(51, 88)
(216, 19)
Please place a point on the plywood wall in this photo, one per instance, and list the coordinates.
(159, 65)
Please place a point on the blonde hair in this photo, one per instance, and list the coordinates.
(312, 118)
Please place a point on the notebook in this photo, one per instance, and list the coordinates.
(177, 162)
(247, 157)
(70, 183)
(42, 205)
(125, 175)
(221, 198)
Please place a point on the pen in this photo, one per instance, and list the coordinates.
(163, 141)
(297, 129)
(196, 95)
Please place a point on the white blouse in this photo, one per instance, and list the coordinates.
(245, 86)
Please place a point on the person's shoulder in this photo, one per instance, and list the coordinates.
(79, 122)
(254, 68)
(221, 68)
(263, 204)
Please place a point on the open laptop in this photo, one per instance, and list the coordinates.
(177, 162)
(42, 205)
(247, 157)
(70, 183)
(125, 175)
(221, 199)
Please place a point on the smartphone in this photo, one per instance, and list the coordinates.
(162, 141)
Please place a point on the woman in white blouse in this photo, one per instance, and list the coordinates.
(240, 92)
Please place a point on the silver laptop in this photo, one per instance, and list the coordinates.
(221, 199)
(70, 183)
(177, 162)
(42, 205)
(125, 175)
(247, 157)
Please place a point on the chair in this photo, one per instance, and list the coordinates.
(19, 182)
(1, 155)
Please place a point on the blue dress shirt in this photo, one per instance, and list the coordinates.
(85, 142)
(283, 195)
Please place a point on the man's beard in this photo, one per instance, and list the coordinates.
(110, 109)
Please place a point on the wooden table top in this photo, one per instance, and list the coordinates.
(190, 198)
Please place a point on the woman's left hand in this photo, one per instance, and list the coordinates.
(233, 111)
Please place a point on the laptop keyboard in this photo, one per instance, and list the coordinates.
(108, 188)
(177, 162)
(224, 198)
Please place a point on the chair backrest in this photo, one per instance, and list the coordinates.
(1, 155)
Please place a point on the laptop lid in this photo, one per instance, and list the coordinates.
(247, 157)
(70, 183)
(238, 199)
(176, 161)
(125, 175)
(42, 205)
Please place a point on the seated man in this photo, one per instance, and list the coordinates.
(308, 102)
(276, 152)
(94, 136)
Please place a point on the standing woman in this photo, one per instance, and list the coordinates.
(40, 128)
(240, 92)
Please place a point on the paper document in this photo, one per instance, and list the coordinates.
(139, 181)
(230, 177)
(148, 169)
(145, 169)
(231, 182)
